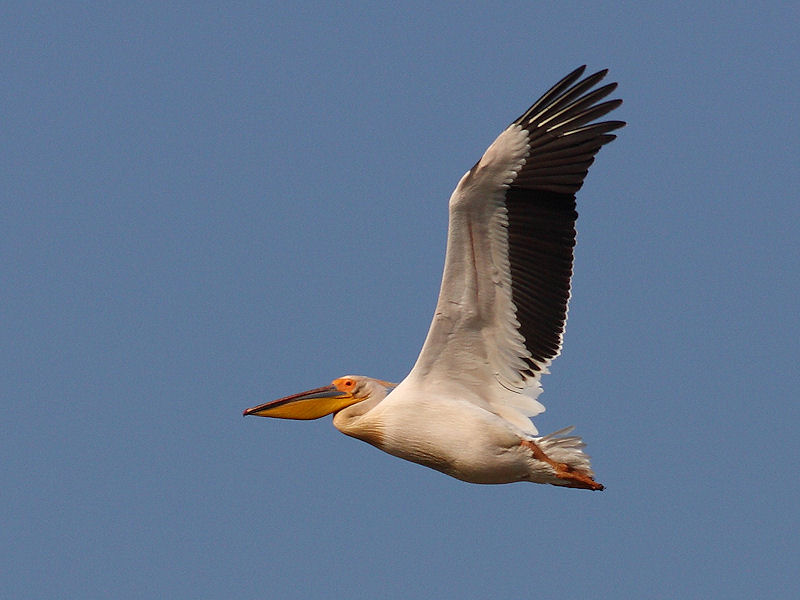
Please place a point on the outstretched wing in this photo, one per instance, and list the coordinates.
(502, 306)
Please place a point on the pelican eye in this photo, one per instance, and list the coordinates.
(345, 385)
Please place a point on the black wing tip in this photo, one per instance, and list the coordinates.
(608, 87)
(570, 90)
(577, 72)
(613, 125)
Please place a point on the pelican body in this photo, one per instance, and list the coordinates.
(465, 408)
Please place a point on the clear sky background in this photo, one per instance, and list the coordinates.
(206, 208)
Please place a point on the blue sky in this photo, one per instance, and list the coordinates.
(205, 208)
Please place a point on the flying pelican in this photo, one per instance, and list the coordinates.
(465, 408)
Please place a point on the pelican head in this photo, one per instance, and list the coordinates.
(313, 404)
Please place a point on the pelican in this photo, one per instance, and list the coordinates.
(465, 408)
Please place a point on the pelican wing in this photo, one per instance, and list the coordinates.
(502, 306)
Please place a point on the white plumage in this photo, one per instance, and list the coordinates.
(465, 407)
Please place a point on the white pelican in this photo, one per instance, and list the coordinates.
(465, 408)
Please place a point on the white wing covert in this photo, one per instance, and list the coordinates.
(502, 307)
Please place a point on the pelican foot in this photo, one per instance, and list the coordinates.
(571, 476)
